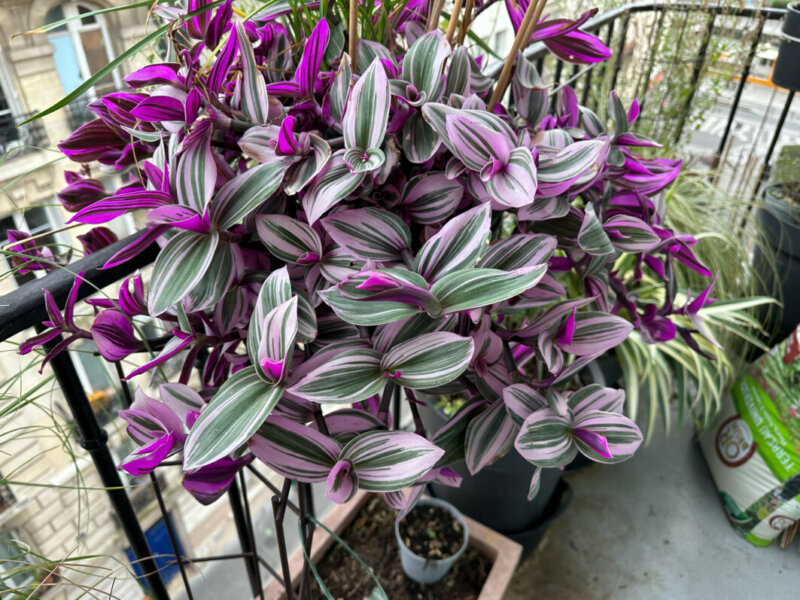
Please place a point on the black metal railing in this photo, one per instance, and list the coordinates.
(17, 139)
(79, 113)
(24, 308)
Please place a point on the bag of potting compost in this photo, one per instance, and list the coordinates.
(753, 449)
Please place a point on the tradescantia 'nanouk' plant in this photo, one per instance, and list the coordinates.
(338, 229)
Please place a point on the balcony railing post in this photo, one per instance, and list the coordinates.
(698, 65)
(739, 89)
(93, 439)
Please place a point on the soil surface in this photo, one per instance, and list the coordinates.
(431, 532)
(371, 536)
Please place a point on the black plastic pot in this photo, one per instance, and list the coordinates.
(787, 66)
(496, 496)
(780, 265)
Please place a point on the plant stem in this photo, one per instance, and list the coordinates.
(451, 27)
(383, 410)
(435, 14)
(532, 14)
(465, 22)
(353, 33)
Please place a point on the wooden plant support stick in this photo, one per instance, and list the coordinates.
(451, 27)
(532, 14)
(45, 234)
(353, 33)
(433, 17)
(465, 22)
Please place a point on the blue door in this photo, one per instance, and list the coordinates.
(66, 59)
(160, 546)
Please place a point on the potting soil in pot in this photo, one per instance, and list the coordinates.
(371, 536)
(753, 450)
(431, 532)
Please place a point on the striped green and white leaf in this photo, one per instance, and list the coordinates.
(306, 316)
(515, 185)
(429, 360)
(386, 461)
(521, 400)
(431, 197)
(278, 334)
(596, 332)
(340, 89)
(458, 74)
(474, 288)
(351, 376)
(180, 398)
(490, 436)
(234, 414)
(275, 290)
(196, 169)
(420, 141)
(254, 101)
(180, 265)
(578, 161)
(244, 193)
(301, 174)
(397, 332)
(451, 437)
(367, 113)
(618, 436)
(424, 62)
(294, 450)
(517, 251)
(592, 238)
(597, 397)
(370, 313)
(217, 279)
(369, 233)
(631, 234)
(458, 245)
(288, 239)
(330, 187)
(544, 439)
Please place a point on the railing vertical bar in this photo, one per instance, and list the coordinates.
(279, 511)
(173, 537)
(587, 84)
(557, 76)
(672, 69)
(739, 90)
(774, 141)
(94, 440)
(302, 501)
(240, 520)
(623, 37)
(648, 65)
(698, 66)
(251, 532)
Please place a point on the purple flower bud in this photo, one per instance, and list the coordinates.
(112, 332)
(96, 239)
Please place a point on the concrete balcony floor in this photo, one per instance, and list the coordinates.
(652, 527)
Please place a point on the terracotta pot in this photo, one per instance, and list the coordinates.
(503, 552)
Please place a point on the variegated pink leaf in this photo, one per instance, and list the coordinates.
(275, 290)
(458, 245)
(431, 197)
(606, 437)
(371, 233)
(254, 100)
(294, 450)
(490, 435)
(386, 461)
(197, 170)
(544, 439)
(351, 376)
(288, 239)
(234, 414)
(428, 360)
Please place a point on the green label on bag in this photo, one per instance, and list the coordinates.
(773, 442)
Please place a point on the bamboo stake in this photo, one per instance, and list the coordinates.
(435, 14)
(466, 22)
(532, 14)
(451, 27)
(353, 33)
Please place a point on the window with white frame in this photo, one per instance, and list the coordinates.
(82, 47)
(10, 109)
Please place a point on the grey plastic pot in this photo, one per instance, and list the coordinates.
(786, 73)
(424, 570)
(497, 495)
(781, 270)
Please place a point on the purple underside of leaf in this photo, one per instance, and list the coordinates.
(594, 440)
